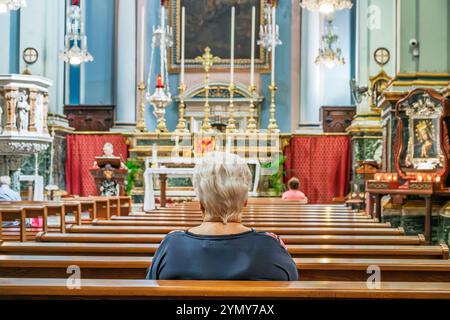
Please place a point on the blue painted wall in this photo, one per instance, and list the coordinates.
(14, 42)
(99, 74)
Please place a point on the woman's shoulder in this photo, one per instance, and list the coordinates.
(270, 236)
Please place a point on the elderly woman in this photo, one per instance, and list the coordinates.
(221, 248)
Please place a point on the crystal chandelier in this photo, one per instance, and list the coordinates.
(75, 47)
(326, 6)
(328, 56)
(269, 34)
(9, 5)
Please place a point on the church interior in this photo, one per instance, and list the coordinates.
(113, 111)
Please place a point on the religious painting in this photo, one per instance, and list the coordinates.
(208, 24)
(204, 144)
(420, 121)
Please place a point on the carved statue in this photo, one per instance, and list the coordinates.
(1, 114)
(39, 117)
(23, 108)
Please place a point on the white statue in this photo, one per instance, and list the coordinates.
(23, 108)
(1, 114)
(39, 113)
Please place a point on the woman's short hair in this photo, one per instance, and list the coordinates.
(5, 180)
(294, 183)
(221, 182)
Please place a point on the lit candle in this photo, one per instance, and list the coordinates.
(252, 65)
(163, 38)
(232, 46)
(420, 178)
(429, 178)
(395, 178)
(183, 41)
(438, 179)
(377, 177)
(160, 83)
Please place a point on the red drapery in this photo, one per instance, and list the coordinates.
(322, 164)
(81, 153)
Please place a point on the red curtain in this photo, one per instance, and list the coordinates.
(81, 153)
(322, 164)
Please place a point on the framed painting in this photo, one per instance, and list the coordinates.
(208, 24)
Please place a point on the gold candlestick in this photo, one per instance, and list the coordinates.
(273, 127)
(231, 125)
(251, 126)
(181, 126)
(141, 126)
(207, 60)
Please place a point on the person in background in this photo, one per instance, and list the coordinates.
(221, 247)
(6, 193)
(294, 194)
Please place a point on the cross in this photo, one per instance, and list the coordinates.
(30, 56)
(207, 59)
(382, 56)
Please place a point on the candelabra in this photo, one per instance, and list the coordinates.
(270, 39)
(141, 126)
(73, 53)
(328, 56)
(251, 125)
(207, 60)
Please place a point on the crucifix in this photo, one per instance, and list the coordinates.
(207, 60)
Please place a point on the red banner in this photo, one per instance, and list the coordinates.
(322, 164)
(81, 153)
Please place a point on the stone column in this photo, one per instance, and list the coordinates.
(32, 123)
(11, 103)
(45, 113)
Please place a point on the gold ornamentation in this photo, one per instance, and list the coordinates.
(273, 127)
(251, 126)
(141, 126)
(207, 60)
(231, 125)
(181, 126)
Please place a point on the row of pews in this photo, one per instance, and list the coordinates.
(333, 247)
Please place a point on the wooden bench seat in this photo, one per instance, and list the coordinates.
(149, 289)
(288, 239)
(311, 269)
(139, 249)
(315, 224)
(277, 230)
(250, 218)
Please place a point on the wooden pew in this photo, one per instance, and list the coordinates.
(255, 218)
(310, 269)
(139, 249)
(315, 224)
(277, 230)
(288, 239)
(193, 289)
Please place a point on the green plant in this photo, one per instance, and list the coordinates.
(133, 170)
(276, 178)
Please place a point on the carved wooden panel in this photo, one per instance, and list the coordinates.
(336, 119)
(90, 118)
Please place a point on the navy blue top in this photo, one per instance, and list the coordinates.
(246, 256)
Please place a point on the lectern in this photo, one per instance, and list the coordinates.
(109, 176)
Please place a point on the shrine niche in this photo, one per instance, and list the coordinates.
(421, 143)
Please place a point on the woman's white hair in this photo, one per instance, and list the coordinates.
(221, 181)
(5, 180)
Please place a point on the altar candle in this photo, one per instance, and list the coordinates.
(395, 178)
(273, 43)
(163, 38)
(377, 177)
(154, 154)
(252, 65)
(232, 46)
(183, 41)
(142, 66)
(438, 179)
(420, 178)
(429, 178)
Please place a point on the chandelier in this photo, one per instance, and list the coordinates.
(9, 5)
(328, 56)
(75, 47)
(326, 6)
(269, 33)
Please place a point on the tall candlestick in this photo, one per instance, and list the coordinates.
(183, 41)
(142, 66)
(232, 45)
(273, 42)
(252, 65)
